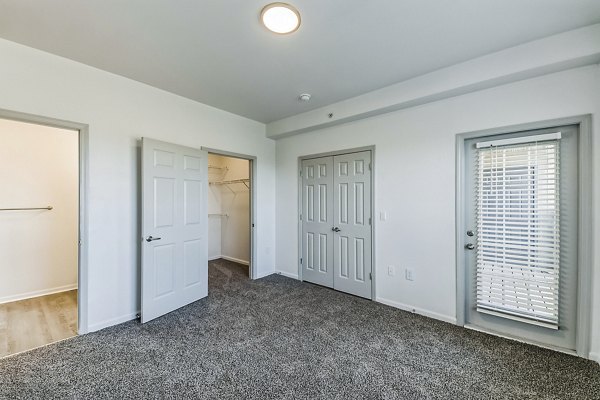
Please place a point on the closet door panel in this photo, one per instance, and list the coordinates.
(352, 223)
(317, 221)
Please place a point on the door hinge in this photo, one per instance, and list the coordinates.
(300, 172)
(300, 217)
(369, 220)
(370, 276)
(369, 166)
(300, 261)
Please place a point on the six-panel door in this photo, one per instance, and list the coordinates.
(336, 222)
(317, 221)
(352, 220)
(174, 227)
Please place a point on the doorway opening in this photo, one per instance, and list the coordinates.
(40, 225)
(229, 216)
(176, 188)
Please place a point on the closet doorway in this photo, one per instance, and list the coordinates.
(40, 223)
(230, 215)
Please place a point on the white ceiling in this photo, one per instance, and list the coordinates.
(216, 52)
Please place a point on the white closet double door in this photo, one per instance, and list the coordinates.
(336, 222)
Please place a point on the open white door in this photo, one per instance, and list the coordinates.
(174, 227)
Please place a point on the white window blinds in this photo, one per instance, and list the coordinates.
(518, 249)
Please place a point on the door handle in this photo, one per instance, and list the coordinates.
(469, 246)
(336, 229)
(150, 239)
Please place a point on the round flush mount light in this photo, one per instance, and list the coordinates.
(280, 18)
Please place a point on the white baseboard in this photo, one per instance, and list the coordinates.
(417, 310)
(37, 293)
(236, 260)
(263, 274)
(112, 321)
(595, 357)
(288, 275)
(521, 340)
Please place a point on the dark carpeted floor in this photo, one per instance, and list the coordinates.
(279, 338)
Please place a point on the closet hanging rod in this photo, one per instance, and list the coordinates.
(234, 181)
(230, 182)
(27, 208)
(219, 215)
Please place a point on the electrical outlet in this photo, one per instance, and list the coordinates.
(409, 274)
(391, 270)
(383, 216)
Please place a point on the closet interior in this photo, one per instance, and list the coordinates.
(229, 209)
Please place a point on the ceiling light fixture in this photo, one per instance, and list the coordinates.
(280, 18)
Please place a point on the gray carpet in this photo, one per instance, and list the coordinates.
(278, 338)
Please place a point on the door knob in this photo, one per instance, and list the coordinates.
(150, 239)
(335, 229)
(470, 233)
(469, 246)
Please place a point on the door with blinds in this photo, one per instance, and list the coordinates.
(336, 222)
(521, 239)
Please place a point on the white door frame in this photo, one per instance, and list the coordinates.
(82, 273)
(585, 245)
(372, 215)
(252, 269)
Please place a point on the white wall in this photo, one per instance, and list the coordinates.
(415, 181)
(235, 229)
(39, 167)
(214, 207)
(119, 112)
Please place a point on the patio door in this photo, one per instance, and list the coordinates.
(521, 241)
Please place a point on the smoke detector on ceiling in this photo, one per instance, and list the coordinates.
(304, 97)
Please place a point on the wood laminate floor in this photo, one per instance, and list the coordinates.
(35, 322)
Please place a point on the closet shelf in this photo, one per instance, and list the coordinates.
(217, 167)
(245, 182)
